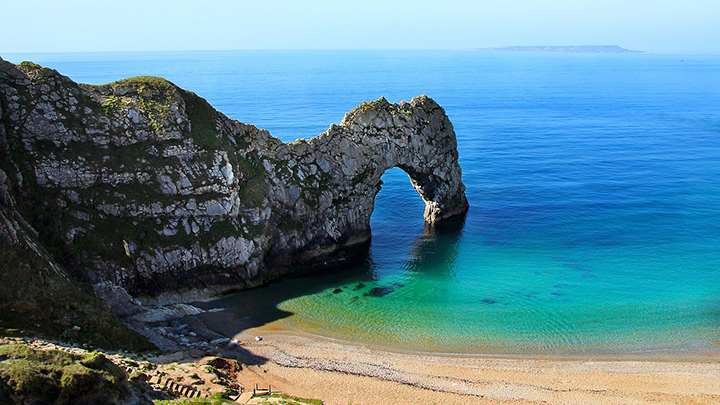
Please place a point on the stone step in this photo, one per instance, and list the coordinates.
(245, 397)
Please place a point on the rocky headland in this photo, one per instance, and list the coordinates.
(140, 189)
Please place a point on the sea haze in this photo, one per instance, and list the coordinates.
(593, 180)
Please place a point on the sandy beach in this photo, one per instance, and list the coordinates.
(347, 373)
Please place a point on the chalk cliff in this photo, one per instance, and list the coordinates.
(143, 186)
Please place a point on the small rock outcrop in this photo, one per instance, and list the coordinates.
(142, 185)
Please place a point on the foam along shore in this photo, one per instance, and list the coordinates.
(344, 372)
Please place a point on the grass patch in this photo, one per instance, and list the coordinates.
(153, 97)
(27, 65)
(146, 82)
(216, 399)
(111, 105)
(284, 399)
(28, 375)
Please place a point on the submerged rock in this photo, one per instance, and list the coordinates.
(379, 291)
(143, 186)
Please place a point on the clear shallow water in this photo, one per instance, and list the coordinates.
(594, 184)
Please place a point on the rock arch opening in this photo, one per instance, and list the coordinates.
(401, 240)
(397, 207)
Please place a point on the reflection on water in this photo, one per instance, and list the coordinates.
(435, 251)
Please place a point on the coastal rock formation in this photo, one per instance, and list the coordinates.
(143, 186)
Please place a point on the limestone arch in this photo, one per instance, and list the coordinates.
(416, 137)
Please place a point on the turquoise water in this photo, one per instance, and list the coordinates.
(594, 184)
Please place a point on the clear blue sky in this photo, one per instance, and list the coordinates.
(98, 25)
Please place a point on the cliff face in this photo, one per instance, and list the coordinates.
(142, 185)
(38, 296)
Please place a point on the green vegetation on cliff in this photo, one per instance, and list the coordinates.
(36, 299)
(202, 118)
(32, 376)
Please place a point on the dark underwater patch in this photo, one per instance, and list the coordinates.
(379, 291)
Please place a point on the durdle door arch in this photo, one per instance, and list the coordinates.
(415, 136)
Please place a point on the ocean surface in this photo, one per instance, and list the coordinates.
(593, 180)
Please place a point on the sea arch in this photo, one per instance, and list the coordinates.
(415, 136)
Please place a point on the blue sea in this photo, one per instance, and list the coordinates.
(593, 181)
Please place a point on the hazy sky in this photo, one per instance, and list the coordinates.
(97, 25)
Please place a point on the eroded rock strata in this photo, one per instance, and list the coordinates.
(143, 186)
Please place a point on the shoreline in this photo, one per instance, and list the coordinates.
(690, 356)
(305, 363)
(340, 371)
(225, 314)
(343, 373)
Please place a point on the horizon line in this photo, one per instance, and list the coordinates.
(486, 49)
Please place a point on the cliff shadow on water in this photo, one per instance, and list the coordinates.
(433, 250)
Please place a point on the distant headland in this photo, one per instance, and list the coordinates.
(565, 49)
